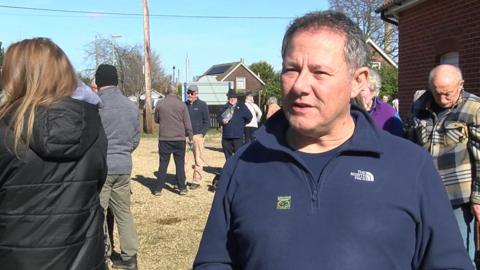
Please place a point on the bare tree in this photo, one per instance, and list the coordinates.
(363, 13)
(129, 63)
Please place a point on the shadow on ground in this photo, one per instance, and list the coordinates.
(212, 170)
(218, 149)
(217, 171)
(153, 185)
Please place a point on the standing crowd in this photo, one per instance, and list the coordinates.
(334, 179)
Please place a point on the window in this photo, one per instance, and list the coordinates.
(451, 58)
(241, 83)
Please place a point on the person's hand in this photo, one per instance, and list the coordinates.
(476, 211)
(225, 121)
(189, 141)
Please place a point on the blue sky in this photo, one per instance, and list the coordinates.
(207, 41)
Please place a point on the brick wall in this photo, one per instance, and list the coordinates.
(431, 29)
(252, 84)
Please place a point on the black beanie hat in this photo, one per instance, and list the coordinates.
(106, 75)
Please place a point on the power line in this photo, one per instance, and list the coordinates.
(151, 15)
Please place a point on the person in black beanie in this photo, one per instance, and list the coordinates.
(120, 119)
(106, 75)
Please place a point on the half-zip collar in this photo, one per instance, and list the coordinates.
(364, 139)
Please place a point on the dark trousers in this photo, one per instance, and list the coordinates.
(177, 148)
(249, 134)
(231, 146)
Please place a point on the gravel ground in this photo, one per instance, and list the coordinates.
(170, 226)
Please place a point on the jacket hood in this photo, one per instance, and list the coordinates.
(364, 139)
(65, 130)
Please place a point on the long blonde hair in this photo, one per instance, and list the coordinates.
(36, 72)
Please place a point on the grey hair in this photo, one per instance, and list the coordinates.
(171, 89)
(272, 100)
(374, 81)
(355, 48)
(435, 69)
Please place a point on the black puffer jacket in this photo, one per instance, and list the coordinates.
(50, 215)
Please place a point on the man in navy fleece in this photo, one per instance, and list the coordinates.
(321, 187)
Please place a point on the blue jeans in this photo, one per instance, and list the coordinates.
(466, 223)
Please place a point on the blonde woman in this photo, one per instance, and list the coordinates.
(52, 164)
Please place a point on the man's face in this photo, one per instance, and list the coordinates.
(232, 100)
(446, 87)
(192, 96)
(316, 82)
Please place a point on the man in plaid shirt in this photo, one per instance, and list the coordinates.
(445, 121)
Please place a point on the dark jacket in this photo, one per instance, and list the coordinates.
(174, 121)
(50, 215)
(120, 119)
(234, 129)
(199, 116)
(379, 204)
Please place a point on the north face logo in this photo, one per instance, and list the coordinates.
(363, 176)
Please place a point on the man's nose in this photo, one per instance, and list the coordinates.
(302, 82)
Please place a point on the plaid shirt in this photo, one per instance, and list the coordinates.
(453, 140)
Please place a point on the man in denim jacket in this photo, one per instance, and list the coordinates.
(446, 123)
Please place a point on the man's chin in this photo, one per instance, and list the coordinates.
(301, 125)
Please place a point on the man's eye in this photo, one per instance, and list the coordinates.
(289, 70)
(319, 72)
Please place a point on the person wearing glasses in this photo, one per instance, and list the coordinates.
(321, 187)
(199, 116)
(445, 121)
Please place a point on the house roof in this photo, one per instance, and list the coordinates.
(388, 4)
(219, 70)
(382, 53)
(391, 8)
(222, 71)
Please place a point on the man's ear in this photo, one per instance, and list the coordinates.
(359, 81)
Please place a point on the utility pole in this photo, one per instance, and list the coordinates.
(388, 29)
(147, 114)
(114, 36)
(186, 68)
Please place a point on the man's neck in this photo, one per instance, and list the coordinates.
(323, 141)
(106, 87)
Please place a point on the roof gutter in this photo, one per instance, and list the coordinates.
(386, 19)
(390, 14)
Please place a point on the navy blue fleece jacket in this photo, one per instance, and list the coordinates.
(379, 204)
(199, 116)
(235, 128)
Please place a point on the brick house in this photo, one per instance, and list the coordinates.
(242, 79)
(433, 32)
(213, 85)
(378, 57)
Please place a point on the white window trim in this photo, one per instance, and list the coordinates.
(241, 83)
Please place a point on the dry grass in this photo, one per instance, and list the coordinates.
(169, 226)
